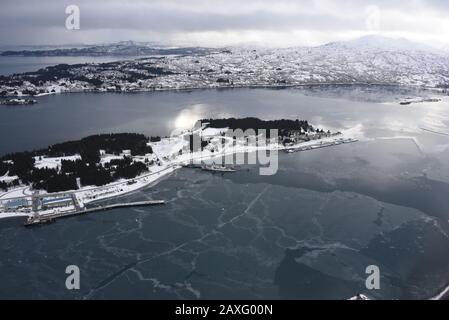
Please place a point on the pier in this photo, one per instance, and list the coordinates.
(49, 218)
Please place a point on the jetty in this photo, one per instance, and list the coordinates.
(52, 217)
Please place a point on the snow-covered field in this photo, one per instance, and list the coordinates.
(7, 178)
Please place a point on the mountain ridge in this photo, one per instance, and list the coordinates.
(364, 43)
(369, 60)
(378, 42)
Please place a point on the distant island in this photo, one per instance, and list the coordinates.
(120, 49)
(103, 166)
(17, 102)
(418, 100)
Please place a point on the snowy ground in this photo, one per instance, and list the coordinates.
(7, 178)
(20, 191)
(52, 162)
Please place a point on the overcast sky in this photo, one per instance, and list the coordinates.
(223, 22)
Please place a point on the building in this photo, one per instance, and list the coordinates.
(126, 153)
(50, 203)
(15, 204)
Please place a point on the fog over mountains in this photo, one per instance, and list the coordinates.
(130, 48)
(376, 42)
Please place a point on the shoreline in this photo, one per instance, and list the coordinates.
(249, 86)
(443, 294)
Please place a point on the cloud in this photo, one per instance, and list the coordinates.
(221, 22)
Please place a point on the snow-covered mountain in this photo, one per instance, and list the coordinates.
(367, 60)
(381, 43)
(370, 59)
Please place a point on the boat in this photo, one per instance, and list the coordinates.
(192, 165)
(32, 221)
(216, 168)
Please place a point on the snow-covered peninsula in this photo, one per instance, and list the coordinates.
(165, 156)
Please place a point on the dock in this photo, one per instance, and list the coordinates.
(49, 218)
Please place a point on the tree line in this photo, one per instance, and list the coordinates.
(89, 168)
(284, 126)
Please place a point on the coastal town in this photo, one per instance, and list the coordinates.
(333, 63)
